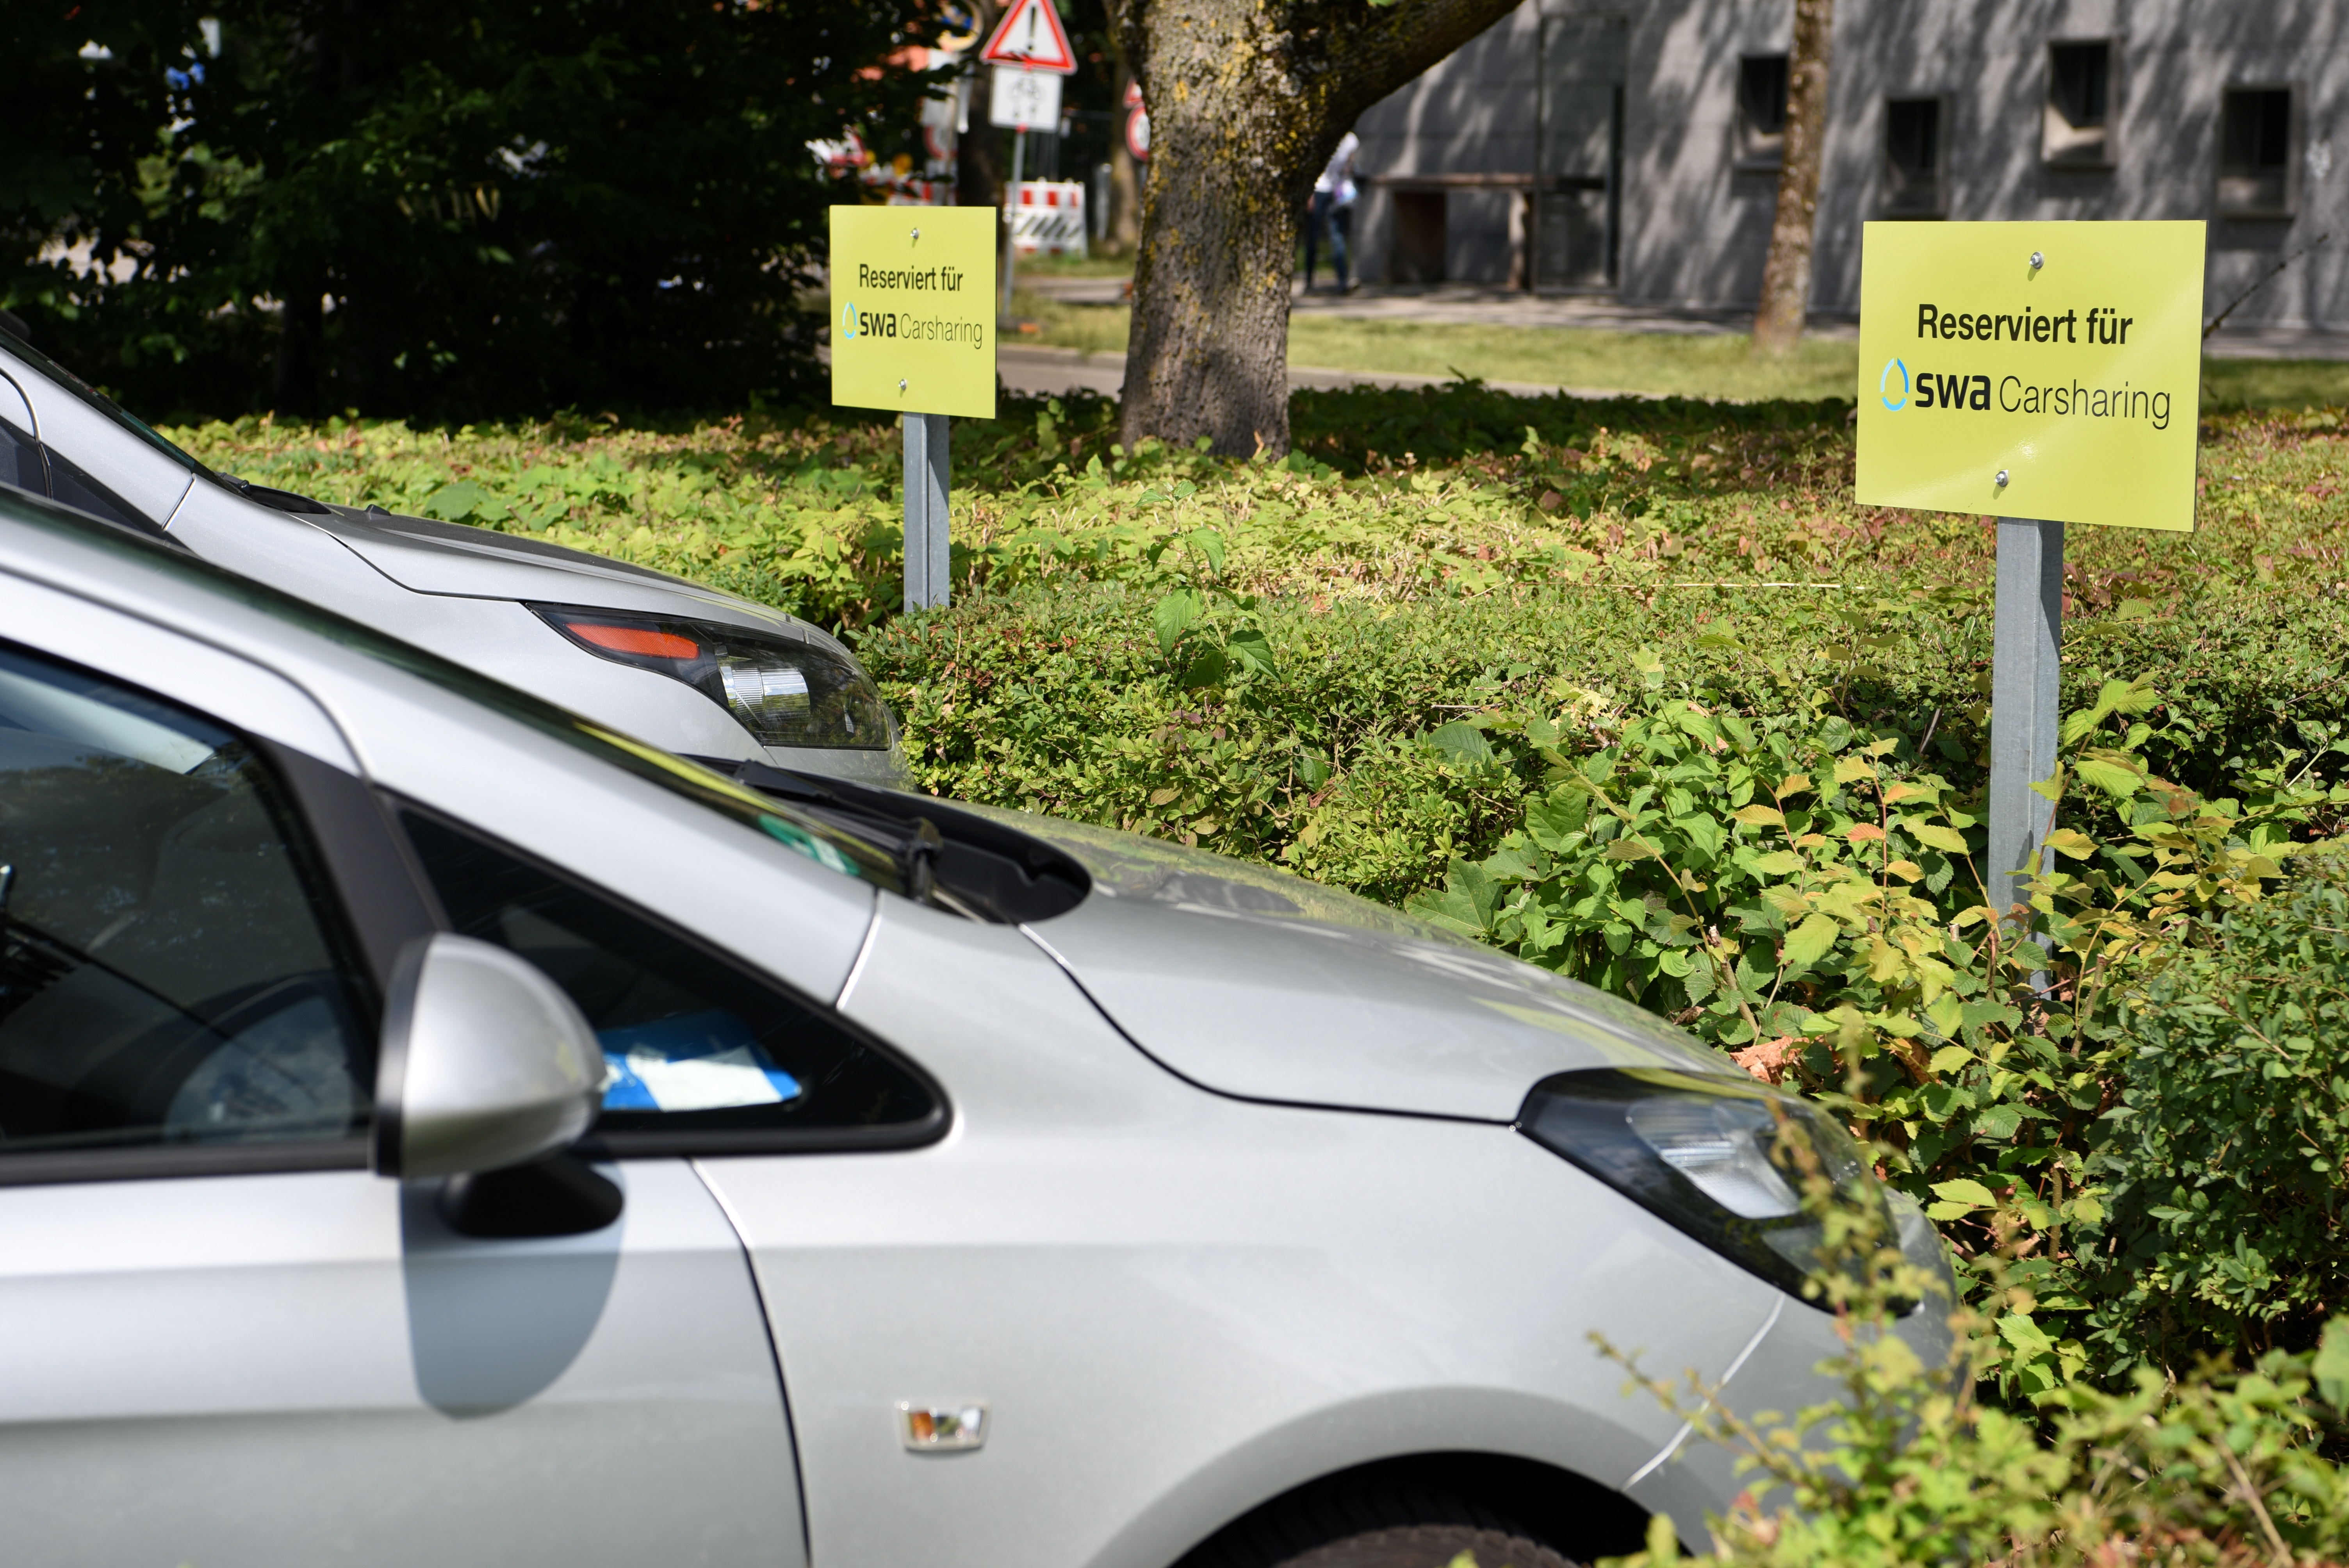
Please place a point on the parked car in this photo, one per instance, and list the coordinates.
(690, 668)
(436, 1127)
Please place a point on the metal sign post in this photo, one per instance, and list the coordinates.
(911, 287)
(1011, 217)
(2026, 647)
(927, 473)
(1029, 51)
(2057, 365)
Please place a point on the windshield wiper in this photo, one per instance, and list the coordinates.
(277, 500)
(958, 860)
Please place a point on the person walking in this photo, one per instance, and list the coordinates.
(1331, 214)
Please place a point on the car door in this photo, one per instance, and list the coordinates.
(227, 1340)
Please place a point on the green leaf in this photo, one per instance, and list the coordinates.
(1808, 943)
(462, 500)
(1462, 742)
(1776, 863)
(2027, 1337)
(1253, 649)
(1173, 615)
(1208, 669)
(2332, 1366)
(1949, 1015)
(1704, 831)
(1934, 835)
(2114, 779)
(1949, 1058)
(1966, 1192)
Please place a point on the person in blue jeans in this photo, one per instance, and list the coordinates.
(1332, 212)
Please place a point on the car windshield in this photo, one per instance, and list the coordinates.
(824, 842)
(75, 385)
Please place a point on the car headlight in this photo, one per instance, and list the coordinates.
(1709, 1155)
(784, 693)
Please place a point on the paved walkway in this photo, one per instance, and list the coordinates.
(1040, 371)
(1513, 307)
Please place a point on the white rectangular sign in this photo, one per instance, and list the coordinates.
(1024, 100)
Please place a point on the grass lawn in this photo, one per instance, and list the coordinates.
(1092, 266)
(1696, 367)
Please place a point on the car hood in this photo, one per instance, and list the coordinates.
(450, 558)
(1254, 983)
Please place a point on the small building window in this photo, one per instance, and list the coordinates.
(1913, 157)
(1761, 111)
(2076, 130)
(2255, 153)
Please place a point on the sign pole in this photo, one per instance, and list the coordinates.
(1029, 51)
(910, 290)
(929, 476)
(2044, 368)
(1012, 214)
(2027, 642)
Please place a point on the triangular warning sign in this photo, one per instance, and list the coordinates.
(1030, 36)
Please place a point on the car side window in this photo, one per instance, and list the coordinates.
(692, 1042)
(170, 971)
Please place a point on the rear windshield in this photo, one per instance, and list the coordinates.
(99, 400)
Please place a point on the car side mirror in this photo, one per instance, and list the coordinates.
(485, 1063)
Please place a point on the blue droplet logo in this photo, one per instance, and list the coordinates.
(851, 325)
(1884, 386)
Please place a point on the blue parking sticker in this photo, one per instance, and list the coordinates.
(703, 1061)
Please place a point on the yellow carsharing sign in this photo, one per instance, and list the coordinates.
(2036, 370)
(913, 309)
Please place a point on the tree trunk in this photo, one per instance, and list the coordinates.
(1247, 99)
(1786, 275)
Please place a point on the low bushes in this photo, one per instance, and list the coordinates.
(1374, 748)
(1390, 497)
(2223, 1148)
(2227, 1466)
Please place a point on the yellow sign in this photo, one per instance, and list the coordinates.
(913, 309)
(2039, 370)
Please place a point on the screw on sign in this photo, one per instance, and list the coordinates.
(2051, 369)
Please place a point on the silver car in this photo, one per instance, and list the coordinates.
(695, 670)
(439, 1129)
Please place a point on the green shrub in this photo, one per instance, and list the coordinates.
(2224, 1151)
(1806, 891)
(1901, 1467)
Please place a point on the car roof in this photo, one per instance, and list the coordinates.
(159, 581)
(430, 557)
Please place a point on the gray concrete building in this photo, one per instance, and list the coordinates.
(1633, 150)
